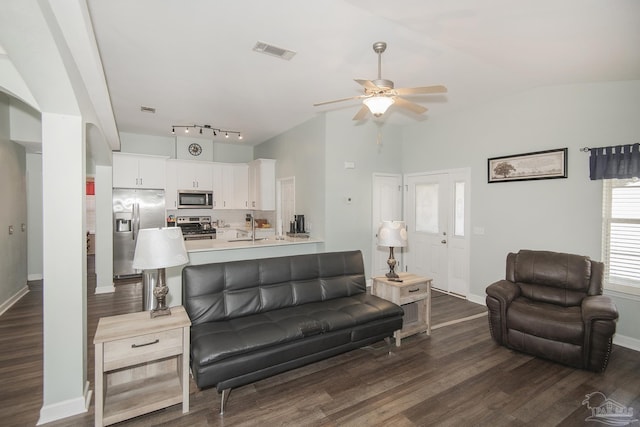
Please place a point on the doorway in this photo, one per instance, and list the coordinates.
(386, 205)
(437, 214)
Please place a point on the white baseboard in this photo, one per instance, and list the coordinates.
(13, 299)
(67, 408)
(34, 276)
(105, 289)
(478, 299)
(628, 342)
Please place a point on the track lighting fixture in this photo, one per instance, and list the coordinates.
(206, 127)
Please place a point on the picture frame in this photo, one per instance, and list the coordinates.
(549, 164)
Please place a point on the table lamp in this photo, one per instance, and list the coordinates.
(157, 249)
(392, 234)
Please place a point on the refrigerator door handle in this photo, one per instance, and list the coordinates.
(136, 221)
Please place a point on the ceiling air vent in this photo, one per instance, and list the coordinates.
(147, 109)
(272, 50)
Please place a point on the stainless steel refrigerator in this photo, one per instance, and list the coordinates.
(133, 210)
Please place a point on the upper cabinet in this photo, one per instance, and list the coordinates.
(194, 175)
(138, 171)
(230, 186)
(262, 184)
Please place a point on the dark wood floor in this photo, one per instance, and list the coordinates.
(455, 377)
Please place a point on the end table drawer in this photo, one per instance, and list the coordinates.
(134, 350)
(414, 290)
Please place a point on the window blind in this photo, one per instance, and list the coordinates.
(621, 234)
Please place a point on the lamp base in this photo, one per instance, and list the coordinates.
(391, 262)
(156, 312)
(160, 291)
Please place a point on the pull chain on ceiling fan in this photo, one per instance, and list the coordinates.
(380, 94)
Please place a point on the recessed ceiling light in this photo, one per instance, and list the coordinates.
(148, 109)
(272, 50)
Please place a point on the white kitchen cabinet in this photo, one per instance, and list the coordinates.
(138, 171)
(230, 186)
(262, 184)
(171, 185)
(194, 175)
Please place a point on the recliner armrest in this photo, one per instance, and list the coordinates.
(504, 291)
(598, 307)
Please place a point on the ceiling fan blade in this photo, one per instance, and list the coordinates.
(368, 84)
(338, 100)
(362, 112)
(420, 90)
(411, 106)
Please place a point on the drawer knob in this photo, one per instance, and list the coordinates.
(144, 345)
(414, 290)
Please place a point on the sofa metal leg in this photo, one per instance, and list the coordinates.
(389, 341)
(223, 399)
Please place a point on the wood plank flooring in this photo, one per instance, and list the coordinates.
(455, 377)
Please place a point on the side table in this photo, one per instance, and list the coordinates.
(412, 290)
(141, 364)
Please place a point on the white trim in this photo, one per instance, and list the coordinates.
(464, 319)
(105, 289)
(31, 277)
(478, 299)
(628, 342)
(67, 408)
(622, 295)
(13, 299)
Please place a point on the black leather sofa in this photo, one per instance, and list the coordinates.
(551, 305)
(256, 318)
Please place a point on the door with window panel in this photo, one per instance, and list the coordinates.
(437, 224)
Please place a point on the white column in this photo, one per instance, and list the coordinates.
(65, 389)
(104, 230)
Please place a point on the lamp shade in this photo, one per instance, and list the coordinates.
(159, 248)
(378, 105)
(392, 234)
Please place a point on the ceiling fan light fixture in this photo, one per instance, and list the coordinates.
(378, 105)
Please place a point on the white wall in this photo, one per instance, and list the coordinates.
(13, 247)
(315, 152)
(559, 214)
(300, 152)
(34, 216)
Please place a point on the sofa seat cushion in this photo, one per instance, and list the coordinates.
(215, 341)
(547, 321)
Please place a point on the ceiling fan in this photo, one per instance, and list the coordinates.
(380, 94)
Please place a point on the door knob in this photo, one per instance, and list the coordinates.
(443, 241)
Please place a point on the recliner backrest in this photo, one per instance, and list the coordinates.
(554, 277)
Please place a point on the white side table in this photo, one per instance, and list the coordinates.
(142, 364)
(412, 290)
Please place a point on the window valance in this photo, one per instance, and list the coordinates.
(621, 161)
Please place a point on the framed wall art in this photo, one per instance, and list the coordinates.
(528, 166)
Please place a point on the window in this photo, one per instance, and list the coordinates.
(621, 234)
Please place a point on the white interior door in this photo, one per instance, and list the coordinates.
(437, 216)
(386, 205)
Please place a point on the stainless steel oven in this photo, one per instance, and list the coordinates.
(196, 227)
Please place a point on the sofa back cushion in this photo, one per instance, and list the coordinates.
(552, 277)
(221, 291)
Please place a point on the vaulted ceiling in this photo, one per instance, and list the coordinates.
(193, 61)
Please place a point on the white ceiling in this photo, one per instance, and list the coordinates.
(192, 60)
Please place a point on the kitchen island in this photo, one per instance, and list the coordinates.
(208, 251)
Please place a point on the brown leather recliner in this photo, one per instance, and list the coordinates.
(551, 305)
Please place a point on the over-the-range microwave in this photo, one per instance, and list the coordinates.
(195, 199)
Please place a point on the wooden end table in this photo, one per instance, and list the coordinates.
(142, 364)
(412, 290)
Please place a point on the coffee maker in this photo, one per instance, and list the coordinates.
(297, 225)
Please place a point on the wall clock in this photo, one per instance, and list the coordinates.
(195, 149)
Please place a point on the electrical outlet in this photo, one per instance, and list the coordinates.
(11, 229)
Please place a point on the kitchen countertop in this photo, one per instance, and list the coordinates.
(220, 245)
